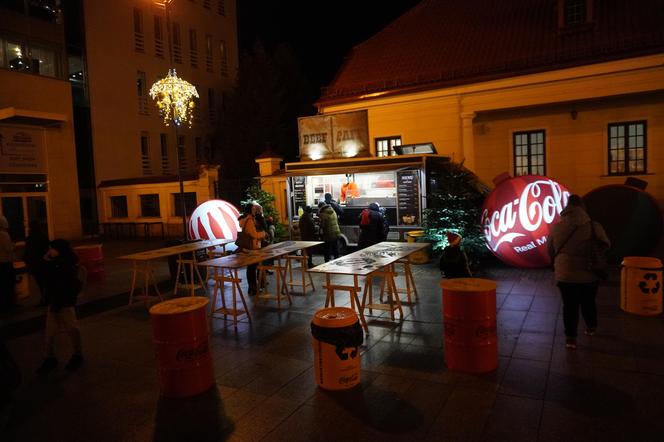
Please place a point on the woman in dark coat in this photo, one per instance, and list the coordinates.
(36, 246)
(61, 276)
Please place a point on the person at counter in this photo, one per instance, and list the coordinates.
(372, 226)
(330, 230)
(335, 205)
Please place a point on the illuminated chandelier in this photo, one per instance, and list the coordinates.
(175, 99)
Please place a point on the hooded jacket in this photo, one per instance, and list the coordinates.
(372, 227)
(329, 224)
(248, 225)
(569, 241)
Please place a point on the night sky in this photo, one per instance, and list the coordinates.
(320, 37)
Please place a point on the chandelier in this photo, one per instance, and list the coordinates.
(175, 99)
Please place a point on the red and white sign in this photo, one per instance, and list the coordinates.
(516, 218)
(214, 219)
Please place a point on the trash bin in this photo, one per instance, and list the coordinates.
(22, 287)
(181, 338)
(469, 313)
(337, 336)
(421, 256)
(91, 257)
(641, 285)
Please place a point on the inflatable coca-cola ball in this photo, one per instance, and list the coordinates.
(214, 219)
(516, 218)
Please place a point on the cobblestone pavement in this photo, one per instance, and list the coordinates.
(610, 388)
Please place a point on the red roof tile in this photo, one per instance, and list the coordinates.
(447, 42)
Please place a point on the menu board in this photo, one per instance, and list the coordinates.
(408, 197)
(299, 192)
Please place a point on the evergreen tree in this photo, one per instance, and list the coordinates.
(455, 203)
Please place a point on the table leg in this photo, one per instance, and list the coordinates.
(133, 284)
(360, 307)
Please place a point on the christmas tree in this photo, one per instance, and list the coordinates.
(454, 205)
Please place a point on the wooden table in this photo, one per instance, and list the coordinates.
(377, 259)
(142, 264)
(226, 270)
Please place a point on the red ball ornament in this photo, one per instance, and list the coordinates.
(214, 219)
(517, 216)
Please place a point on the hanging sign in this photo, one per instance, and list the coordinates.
(22, 150)
(517, 216)
(408, 197)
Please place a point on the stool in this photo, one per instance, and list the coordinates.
(352, 290)
(192, 263)
(393, 295)
(212, 254)
(219, 281)
(281, 291)
(410, 281)
(304, 265)
(148, 276)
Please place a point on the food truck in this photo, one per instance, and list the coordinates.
(399, 184)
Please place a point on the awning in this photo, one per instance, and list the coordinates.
(11, 115)
(357, 165)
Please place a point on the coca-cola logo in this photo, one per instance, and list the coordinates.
(192, 353)
(516, 218)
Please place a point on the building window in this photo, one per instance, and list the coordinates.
(206, 4)
(221, 7)
(44, 9)
(163, 142)
(385, 146)
(158, 37)
(13, 56)
(145, 153)
(628, 146)
(529, 153)
(212, 113)
(209, 62)
(193, 48)
(119, 207)
(142, 93)
(575, 12)
(139, 36)
(224, 58)
(150, 205)
(177, 43)
(42, 61)
(189, 203)
(182, 150)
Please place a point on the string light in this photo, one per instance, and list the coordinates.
(175, 99)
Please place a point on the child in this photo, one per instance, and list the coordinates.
(453, 261)
(61, 276)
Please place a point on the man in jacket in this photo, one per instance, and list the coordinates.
(569, 245)
(372, 226)
(330, 231)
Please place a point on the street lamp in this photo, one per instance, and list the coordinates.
(175, 100)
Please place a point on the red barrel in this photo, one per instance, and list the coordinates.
(469, 312)
(180, 329)
(92, 258)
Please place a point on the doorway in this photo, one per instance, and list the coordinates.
(20, 210)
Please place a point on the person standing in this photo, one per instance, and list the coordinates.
(569, 246)
(307, 230)
(36, 246)
(335, 205)
(330, 231)
(61, 276)
(453, 261)
(372, 226)
(7, 276)
(248, 225)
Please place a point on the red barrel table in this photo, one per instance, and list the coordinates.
(92, 258)
(180, 329)
(469, 312)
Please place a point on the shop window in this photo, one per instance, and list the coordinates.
(119, 207)
(385, 146)
(177, 43)
(628, 148)
(145, 153)
(193, 48)
(158, 37)
(139, 35)
(189, 202)
(529, 153)
(224, 58)
(150, 205)
(163, 142)
(142, 93)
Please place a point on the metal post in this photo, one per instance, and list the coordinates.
(179, 168)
